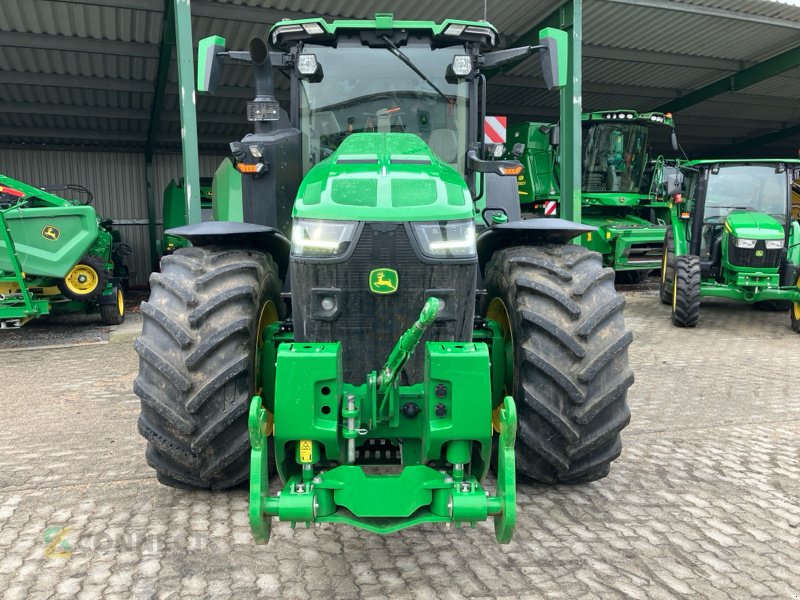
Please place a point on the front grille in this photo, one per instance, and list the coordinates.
(368, 325)
(749, 257)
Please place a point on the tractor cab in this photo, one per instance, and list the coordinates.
(741, 217)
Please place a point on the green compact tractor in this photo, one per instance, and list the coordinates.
(56, 256)
(621, 185)
(732, 235)
(225, 186)
(353, 333)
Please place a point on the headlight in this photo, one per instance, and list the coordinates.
(321, 239)
(774, 244)
(743, 243)
(446, 239)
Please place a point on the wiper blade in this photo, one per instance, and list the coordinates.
(399, 54)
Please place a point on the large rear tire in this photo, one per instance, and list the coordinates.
(686, 291)
(667, 268)
(197, 362)
(570, 349)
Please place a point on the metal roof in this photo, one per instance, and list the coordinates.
(83, 72)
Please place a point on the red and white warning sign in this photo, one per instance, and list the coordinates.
(550, 207)
(494, 130)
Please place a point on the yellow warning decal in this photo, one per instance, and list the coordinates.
(305, 451)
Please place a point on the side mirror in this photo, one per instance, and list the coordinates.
(209, 63)
(554, 56)
(498, 167)
(674, 139)
(555, 134)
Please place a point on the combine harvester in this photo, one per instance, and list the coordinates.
(56, 256)
(382, 388)
(621, 187)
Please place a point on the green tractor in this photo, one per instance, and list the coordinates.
(225, 186)
(732, 235)
(286, 342)
(57, 256)
(620, 187)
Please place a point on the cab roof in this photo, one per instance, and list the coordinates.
(319, 31)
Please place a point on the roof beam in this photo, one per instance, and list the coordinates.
(110, 84)
(660, 58)
(588, 87)
(738, 81)
(110, 112)
(754, 143)
(145, 5)
(164, 60)
(708, 11)
(88, 135)
(70, 43)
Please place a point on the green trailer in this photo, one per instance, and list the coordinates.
(362, 331)
(621, 186)
(56, 256)
(733, 235)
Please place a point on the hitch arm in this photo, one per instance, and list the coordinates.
(405, 347)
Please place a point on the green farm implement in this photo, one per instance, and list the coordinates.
(55, 256)
(380, 325)
(733, 235)
(621, 187)
(225, 187)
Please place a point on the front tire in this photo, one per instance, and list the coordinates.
(686, 291)
(197, 362)
(114, 313)
(667, 268)
(570, 355)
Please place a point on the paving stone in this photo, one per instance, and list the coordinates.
(703, 503)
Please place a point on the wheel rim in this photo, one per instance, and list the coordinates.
(796, 305)
(82, 279)
(267, 316)
(674, 291)
(120, 303)
(498, 313)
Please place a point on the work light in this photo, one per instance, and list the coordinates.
(307, 64)
(462, 65)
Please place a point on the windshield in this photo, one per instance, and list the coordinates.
(614, 158)
(372, 90)
(746, 187)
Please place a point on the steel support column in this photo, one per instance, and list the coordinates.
(186, 100)
(570, 17)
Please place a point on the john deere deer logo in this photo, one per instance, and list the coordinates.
(383, 281)
(51, 232)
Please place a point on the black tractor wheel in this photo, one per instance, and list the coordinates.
(86, 280)
(113, 313)
(197, 362)
(794, 316)
(686, 291)
(667, 268)
(774, 305)
(631, 277)
(564, 327)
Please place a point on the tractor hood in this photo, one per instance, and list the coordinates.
(372, 175)
(754, 226)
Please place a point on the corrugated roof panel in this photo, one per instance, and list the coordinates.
(660, 30)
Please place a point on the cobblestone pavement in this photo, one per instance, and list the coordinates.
(703, 503)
